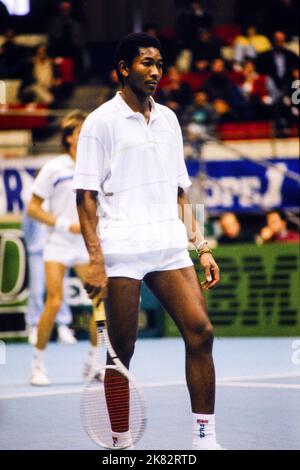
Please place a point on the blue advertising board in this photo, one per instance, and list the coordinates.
(242, 186)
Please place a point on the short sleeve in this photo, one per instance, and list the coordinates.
(183, 179)
(90, 161)
(42, 185)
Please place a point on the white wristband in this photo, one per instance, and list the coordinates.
(201, 244)
(62, 224)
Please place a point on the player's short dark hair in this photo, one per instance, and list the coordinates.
(280, 212)
(128, 49)
(69, 123)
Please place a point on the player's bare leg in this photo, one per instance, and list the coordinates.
(180, 293)
(122, 309)
(54, 293)
(55, 273)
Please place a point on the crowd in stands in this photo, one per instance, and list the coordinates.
(275, 230)
(201, 80)
(50, 70)
(254, 84)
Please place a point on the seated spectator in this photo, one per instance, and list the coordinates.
(259, 92)
(174, 93)
(200, 118)
(276, 229)
(222, 92)
(168, 44)
(250, 45)
(232, 231)
(40, 83)
(278, 62)
(12, 56)
(189, 21)
(67, 38)
(205, 49)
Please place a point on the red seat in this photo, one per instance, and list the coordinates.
(22, 121)
(245, 130)
(226, 33)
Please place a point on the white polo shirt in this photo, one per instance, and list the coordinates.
(136, 169)
(54, 184)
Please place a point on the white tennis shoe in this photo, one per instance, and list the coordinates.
(66, 335)
(38, 376)
(32, 335)
(92, 371)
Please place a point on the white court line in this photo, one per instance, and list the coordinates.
(260, 385)
(221, 383)
(261, 377)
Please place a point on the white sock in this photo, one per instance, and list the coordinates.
(204, 433)
(122, 439)
(38, 356)
(92, 352)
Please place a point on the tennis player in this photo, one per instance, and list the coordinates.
(130, 177)
(64, 247)
(35, 235)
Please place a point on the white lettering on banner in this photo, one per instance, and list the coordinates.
(15, 190)
(247, 190)
(272, 196)
(226, 189)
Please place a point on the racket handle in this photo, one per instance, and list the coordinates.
(99, 312)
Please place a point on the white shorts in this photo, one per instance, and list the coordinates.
(67, 255)
(136, 266)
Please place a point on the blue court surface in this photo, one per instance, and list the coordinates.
(257, 406)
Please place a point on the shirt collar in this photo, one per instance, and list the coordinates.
(128, 112)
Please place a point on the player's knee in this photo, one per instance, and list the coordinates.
(126, 350)
(200, 339)
(54, 301)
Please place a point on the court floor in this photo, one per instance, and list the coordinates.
(257, 405)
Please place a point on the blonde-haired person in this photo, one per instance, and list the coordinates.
(65, 247)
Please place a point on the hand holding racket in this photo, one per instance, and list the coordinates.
(113, 411)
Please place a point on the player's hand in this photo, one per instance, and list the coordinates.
(96, 282)
(75, 228)
(211, 271)
(266, 234)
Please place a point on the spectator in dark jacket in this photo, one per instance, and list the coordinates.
(189, 21)
(205, 49)
(279, 62)
(223, 93)
(232, 231)
(175, 93)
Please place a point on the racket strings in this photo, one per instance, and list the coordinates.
(112, 406)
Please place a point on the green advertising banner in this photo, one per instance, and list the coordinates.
(13, 282)
(258, 294)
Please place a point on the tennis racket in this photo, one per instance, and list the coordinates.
(113, 411)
